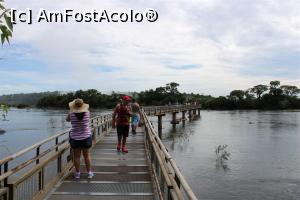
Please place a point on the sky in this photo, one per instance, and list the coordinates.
(207, 46)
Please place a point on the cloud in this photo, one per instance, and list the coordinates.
(184, 66)
(193, 43)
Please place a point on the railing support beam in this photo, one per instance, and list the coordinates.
(159, 120)
(174, 120)
(190, 115)
(183, 117)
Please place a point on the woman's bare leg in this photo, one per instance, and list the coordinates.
(87, 159)
(124, 141)
(77, 153)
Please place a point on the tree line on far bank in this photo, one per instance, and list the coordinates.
(272, 96)
(160, 96)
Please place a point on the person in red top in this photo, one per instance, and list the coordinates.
(121, 116)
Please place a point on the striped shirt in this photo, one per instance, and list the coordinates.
(80, 127)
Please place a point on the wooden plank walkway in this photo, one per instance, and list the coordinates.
(117, 175)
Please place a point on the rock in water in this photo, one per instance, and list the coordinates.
(2, 131)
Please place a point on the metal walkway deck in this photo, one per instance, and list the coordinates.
(117, 176)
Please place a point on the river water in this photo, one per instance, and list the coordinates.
(265, 154)
(264, 145)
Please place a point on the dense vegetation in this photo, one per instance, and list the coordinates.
(24, 100)
(272, 96)
(159, 96)
(93, 97)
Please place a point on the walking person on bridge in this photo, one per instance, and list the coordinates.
(135, 117)
(80, 135)
(120, 119)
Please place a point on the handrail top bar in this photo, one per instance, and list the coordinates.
(171, 108)
(18, 154)
(28, 162)
(179, 105)
(108, 114)
(12, 157)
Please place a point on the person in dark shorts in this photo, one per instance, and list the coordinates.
(80, 135)
(121, 116)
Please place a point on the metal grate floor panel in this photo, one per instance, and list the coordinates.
(114, 132)
(113, 197)
(119, 155)
(114, 177)
(122, 169)
(129, 137)
(118, 162)
(129, 141)
(105, 187)
(114, 145)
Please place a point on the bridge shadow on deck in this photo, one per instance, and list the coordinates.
(117, 175)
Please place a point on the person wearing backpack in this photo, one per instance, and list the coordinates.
(121, 121)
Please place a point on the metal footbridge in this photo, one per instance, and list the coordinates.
(45, 170)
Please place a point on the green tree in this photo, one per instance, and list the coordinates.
(4, 111)
(259, 90)
(222, 103)
(274, 84)
(172, 88)
(249, 95)
(274, 88)
(6, 26)
(161, 90)
(238, 94)
(290, 90)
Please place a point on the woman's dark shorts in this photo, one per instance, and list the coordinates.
(81, 144)
(123, 130)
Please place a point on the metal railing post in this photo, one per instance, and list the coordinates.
(37, 154)
(5, 170)
(177, 180)
(0, 175)
(183, 117)
(59, 161)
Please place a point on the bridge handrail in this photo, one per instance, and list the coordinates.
(22, 152)
(168, 158)
(172, 108)
(8, 172)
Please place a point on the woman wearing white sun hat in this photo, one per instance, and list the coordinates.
(80, 135)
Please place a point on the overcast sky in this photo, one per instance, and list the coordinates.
(207, 46)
